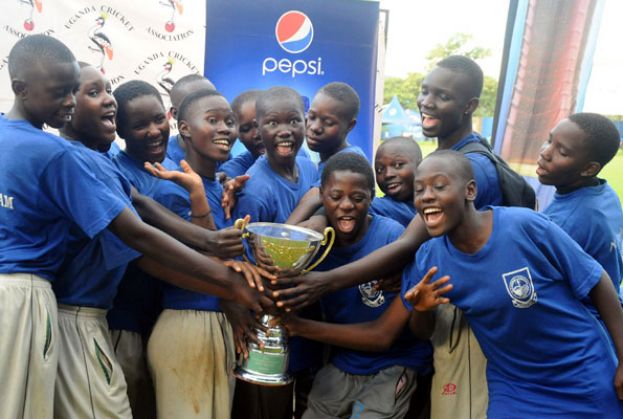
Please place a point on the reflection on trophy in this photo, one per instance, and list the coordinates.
(282, 249)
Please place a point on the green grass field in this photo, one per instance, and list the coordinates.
(613, 172)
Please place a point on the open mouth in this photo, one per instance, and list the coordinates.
(540, 170)
(108, 120)
(156, 147)
(430, 122)
(223, 144)
(285, 148)
(433, 216)
(346, 224)
(393, 188)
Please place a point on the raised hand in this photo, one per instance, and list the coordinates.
(187, 179)
(230, 189)
(425, 295)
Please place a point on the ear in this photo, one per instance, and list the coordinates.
(19, 88)
(351, 125)
(184, 130)
(591, 169)
(471, 106)
(471, 190)
(173, 112)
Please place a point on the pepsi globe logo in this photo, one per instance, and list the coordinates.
(294, 32)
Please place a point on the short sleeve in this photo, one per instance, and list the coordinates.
(70, 185)
(486, 178)
(175, 198)
(256, 208)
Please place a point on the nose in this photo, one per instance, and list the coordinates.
(315, 125)
(109, 100)
(153, 130)
(346, 204)
(424, 100)
(428, 194)
(545, 152)
(69, 100)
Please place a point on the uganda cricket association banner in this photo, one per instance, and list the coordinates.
(158, 41)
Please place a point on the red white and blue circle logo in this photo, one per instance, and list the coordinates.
(294, 31)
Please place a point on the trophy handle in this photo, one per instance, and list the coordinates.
(240, 224)
(329, 236)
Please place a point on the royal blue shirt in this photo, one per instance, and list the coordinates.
(91, 274)
(177, 199)
(349, 149)
(485, 174)
(46, 187)
(363, 303)
(400, 211)
(521, 293)
(271, 198)
(592, 216)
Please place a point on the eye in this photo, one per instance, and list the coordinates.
(380, 170)
(398, 165)
(418, 189)
(439, 186)
(93, 93)
(443, 96)
(212, 120)
(271, 123)
(563, 152)
(230, 122)
(295, 121)
(160, 118)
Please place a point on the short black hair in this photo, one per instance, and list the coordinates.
(349, 162)
(37, 50)
(411, 147)
(276, 94)
(129, 91)
(344, 93)
(460, 164)
(185, 81)
(468, 67)
(193, 98)
(602, 136)
(244, 97)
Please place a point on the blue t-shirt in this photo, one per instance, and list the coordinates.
(592, 216)
(91, 273)
(271, 198)
(485, 174)
(521, 293)
(363, 303)
(176, 198)
(138, 300)
(114, 150)
(45, 188)
(349, 149)
(400, 211)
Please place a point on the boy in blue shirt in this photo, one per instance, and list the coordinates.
(331, 116)
(519, 279)
(394, 164)
(586, 207)
(357, 383)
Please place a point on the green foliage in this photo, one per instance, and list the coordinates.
(408, 88)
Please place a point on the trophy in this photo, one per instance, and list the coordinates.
(284, 249)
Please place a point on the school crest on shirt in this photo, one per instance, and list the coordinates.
(370, 296)
(520, 287)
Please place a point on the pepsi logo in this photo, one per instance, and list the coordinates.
(294, 31)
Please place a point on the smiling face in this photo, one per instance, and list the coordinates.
(209, 128)
(248, 129)
(445, 105)
(327, 126)
(395, 168)
(147, 130)
(441, 194)
(282, 128)
(564, 157)
(47, 93)
(94, 118)
(346, 197)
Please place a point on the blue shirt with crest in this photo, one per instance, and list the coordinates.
(400, 211)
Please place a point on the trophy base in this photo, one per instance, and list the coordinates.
(276, 380)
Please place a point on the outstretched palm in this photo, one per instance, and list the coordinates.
(425, 295)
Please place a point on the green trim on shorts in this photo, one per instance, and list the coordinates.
(48, 335)
(104, 362)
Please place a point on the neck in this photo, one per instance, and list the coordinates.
(581, 183)
(446, 142)
(287, 170)
(474, 231)
(201, 165)
(18, 113)
(69, 133)
(325, 156)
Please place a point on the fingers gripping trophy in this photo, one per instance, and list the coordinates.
(285, 250)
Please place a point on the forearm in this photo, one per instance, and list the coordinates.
(200, 212)
(308, 205)
(605, 299)
(422, 323)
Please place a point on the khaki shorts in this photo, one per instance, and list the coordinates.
(459, 387)
(191, 358)
(90, 382)
(28, 347)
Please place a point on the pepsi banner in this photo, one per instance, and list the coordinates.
(258, 44)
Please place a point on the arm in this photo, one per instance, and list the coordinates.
(178, 259)
(374, 336)
(306, 289)
(605, 299)
(230, 188)
(306, 207)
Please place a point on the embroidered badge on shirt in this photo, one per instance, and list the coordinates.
(370, 296)
(520, 287)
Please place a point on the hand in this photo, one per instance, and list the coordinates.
(225, 243)
(618, 381)
(243, 324)
(253, 274)
(251, 297)
(299, 291)
(391, 283)
(288, 320)
(230, 189)
(188, 179)
(316, 222)
(426, 296)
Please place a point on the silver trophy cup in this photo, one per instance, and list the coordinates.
(284, 249)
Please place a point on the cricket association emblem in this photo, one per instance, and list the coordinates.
(520, 287)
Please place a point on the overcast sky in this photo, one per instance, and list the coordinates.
(415, 27)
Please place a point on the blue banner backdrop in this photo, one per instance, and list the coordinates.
(258, 44)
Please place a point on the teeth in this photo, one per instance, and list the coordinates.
(221, 142)
(431, 210)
